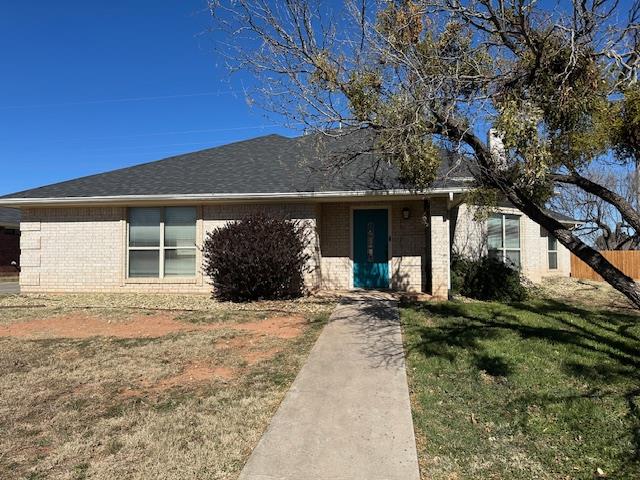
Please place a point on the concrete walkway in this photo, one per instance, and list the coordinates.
(347, 415)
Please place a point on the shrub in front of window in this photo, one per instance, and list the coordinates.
(259, 257)
(487, 278)
(459, 268)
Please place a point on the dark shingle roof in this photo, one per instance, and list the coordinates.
(269, 164)
(9, 217)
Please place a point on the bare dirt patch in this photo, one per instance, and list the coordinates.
(81, 326)
(192, 376)
(281, 327)
(238, 343)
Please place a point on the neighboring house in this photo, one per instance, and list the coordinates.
(9, 240)
(139, 229)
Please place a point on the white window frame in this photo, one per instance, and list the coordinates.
(161, 248)
(550, 251)
(503, 250)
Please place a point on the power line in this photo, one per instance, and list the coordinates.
(136, 147)
(117, 100)
(178, 132)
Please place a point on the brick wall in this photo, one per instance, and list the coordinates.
(407, 245)
(335, 246)
(536, 258)
(84, 249)
(72, 249)
(408, 263)
(440, 246)
(469, 238)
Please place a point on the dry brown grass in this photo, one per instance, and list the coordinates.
(585, 293)
(190, 403)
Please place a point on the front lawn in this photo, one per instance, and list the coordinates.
(143, 387)
(539, 389)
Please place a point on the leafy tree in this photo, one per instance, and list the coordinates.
(556, 88)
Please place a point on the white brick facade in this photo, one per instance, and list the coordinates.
(77, 249)
(470, 240)
(440, 248)
(84, 249)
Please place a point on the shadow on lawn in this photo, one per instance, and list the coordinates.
(603, 348)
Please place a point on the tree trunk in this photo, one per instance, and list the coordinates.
(612, 275)
(491, 176)
(620, 203)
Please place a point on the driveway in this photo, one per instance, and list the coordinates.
(347, 415)
(9, 288)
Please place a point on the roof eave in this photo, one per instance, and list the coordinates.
(574, 223)
(221, 198)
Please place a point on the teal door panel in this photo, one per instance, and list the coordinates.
(370, 248)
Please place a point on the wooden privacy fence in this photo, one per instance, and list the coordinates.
(626, 260)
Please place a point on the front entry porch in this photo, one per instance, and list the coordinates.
(403, 245)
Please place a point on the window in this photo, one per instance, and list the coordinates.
(162, 242)
(504, 238)
(552, 247)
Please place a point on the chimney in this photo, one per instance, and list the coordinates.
(496, 147)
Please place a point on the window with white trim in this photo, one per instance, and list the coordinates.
(504, 238)
(162, 242)
(552, 248)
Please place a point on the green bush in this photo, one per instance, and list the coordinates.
(259, 257)
(486, 279)
(459, 268)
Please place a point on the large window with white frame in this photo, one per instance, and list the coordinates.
(504, 238)
(162, 242)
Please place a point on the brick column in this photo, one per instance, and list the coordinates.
(440, 247)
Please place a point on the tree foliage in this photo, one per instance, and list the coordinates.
(556, 84)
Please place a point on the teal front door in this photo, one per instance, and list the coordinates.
(370, 248)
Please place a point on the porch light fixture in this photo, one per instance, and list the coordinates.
(406, 213)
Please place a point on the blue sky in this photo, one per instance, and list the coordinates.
(71, 68)
(89, 86)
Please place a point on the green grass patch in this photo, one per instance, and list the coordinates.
(538, 389)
